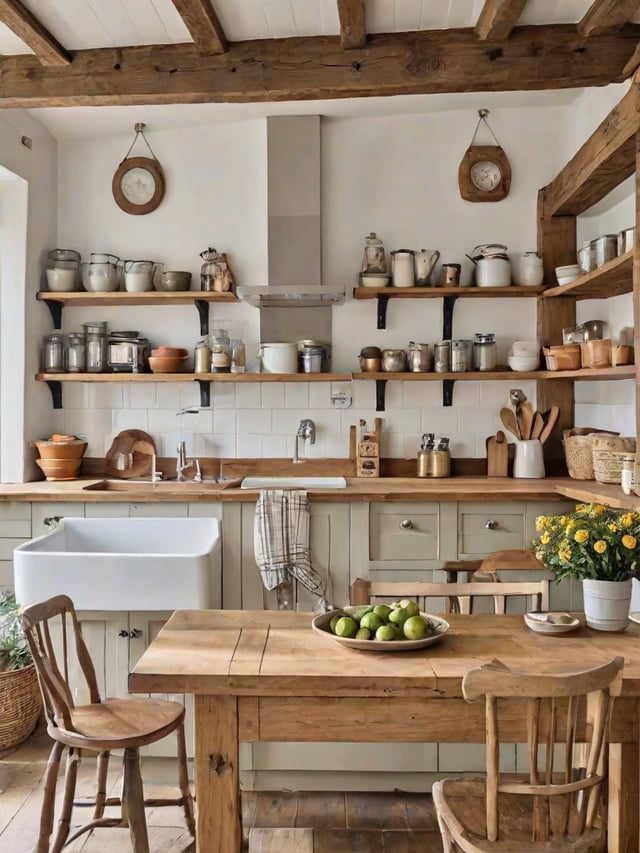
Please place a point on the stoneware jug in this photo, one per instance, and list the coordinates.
(424, 262)
(402, 269)
(528, 462)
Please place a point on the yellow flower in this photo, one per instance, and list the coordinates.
(541, 522)
(545, 538)
(626, 520)
(580, 507)
(598, 509)
(600, 546)
(613, 527)
(565, 554)
(581, 535)
(629, 541)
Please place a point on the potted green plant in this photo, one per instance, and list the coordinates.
(20, 701)
(599, 546)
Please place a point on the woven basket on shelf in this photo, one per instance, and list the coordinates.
(20, 705)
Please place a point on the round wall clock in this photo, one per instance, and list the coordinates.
(138, 185)
(484, 173)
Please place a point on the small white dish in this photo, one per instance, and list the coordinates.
(523, 363)
(550, 623)
(567, 279)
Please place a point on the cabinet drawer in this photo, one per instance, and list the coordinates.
(404, 531)
(486, 528)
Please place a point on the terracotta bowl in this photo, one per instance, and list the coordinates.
(59, 469)
(175, 352)
(71, 449)
(167, 363)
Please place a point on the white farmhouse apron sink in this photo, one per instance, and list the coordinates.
(293, 483)
(123, 564)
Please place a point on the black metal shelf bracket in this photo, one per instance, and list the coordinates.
(203, 310)
(55, 386)
(205, 393)
(448, 303)
(447, 391)
(383, 301)
(55, 309)
(381, 387)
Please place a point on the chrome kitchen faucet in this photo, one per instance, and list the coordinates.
(306, 430)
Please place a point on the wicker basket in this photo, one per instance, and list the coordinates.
(20, 705)
(607, 465)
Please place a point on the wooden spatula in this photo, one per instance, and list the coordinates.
(526, 419)
(551, 420)
(509, 422)
(537, 425)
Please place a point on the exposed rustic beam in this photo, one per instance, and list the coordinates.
(497, 19)
(607, 16)
(202, 22)
(353, 27)
(29, 29)
(534, 58)
(605, 159)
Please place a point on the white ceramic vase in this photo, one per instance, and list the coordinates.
(606, 604)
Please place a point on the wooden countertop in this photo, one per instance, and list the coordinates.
(92, 490)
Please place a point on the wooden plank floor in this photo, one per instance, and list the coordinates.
(274, 822)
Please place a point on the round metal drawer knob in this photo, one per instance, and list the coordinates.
(491, 525)
(406, 524)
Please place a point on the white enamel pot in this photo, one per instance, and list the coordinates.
(493, 272)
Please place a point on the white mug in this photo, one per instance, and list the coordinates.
(529, 461)
(531, 269)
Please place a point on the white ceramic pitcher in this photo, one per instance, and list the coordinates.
(425, 261)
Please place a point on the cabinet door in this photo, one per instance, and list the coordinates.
(396, 540)
(329, 545)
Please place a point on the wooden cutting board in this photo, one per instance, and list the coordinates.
(497, 455)
(130, 455)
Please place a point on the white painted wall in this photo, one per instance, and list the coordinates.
(28, 227)
(396, 175)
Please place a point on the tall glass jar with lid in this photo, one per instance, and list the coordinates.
(220, 351)
(75, 354)
(96, 346)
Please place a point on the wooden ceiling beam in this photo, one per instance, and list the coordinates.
(204, 27)
(607, 16)
(29, 29)
(426, 62)
(605, 159)
(353, 27)
(497, 18)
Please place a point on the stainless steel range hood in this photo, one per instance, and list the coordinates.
(294, 224)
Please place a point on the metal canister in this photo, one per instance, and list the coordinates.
(485, 356)
(461, 356)
(442, 357)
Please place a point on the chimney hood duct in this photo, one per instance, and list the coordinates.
(294, 223)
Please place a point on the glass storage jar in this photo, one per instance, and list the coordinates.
(202, 357)
(238, 356)
(53, 353)
(485, 355)
(220, 351)
(96, 346)
(76, 356)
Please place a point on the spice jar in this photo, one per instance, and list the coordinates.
(220, 351)
(96, 346)
(76, 355)
(53, 353)
(485, 355)
(238, 356)
(202, 357)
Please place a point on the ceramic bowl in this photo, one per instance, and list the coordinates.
(171, 352)
(521, 363)
(71, 449)
(567, 279)
(374, 279)
(167, 363)
(569, 269)
(530, 348)
(172, 280)
(59, 469)
(61, 280)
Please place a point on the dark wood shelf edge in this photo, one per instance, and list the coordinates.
(513, 290)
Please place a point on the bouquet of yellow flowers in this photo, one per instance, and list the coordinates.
(594, 542)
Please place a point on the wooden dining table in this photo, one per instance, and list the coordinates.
(267, 676)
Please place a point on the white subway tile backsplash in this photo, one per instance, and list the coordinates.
(224, 422)
(337, 446)
(404, 421)
(223, 395)
(169, 396)
(248, 395)
(320, 395)
(296, 395)
(139, 396)
(442, 421)
(130, 419)
(272, 395)
(286, 421)
(76, 395)
(251, 421)
(274, 446)
(163, 421)
(466, 393)
(89, 421)
(105, 395)
(364, 395)
(420, 395)
(249, 445)
(393, 396)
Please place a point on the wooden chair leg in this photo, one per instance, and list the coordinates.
(133, 801)
(102, 768)
(183, 781)
(64, 821)
(49, 797)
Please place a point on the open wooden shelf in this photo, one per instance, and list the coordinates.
(190, 377)
(626, 371)
(439, 292)
(150, 297)
(611, 279)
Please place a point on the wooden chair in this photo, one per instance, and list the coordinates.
(485, 582)
(555, 807)
(57, 646)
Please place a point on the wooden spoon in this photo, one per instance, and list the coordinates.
(526, 419)
(509, 422)
(551, 420)
(537, 426)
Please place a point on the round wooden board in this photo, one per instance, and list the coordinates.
(137, 447)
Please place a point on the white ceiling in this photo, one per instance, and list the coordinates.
(88, 24)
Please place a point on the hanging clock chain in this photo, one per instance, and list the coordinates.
(482, 118)
(139, 129)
